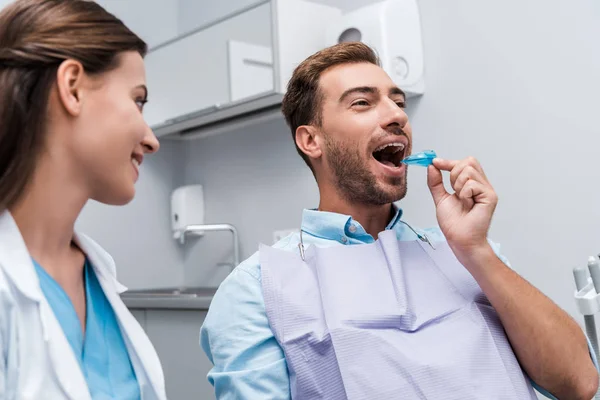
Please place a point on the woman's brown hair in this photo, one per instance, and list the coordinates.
(36, 36)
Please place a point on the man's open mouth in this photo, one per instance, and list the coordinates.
(390, 154)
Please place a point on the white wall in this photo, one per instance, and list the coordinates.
(512, 83)
(253, 179)
(138, 236)
(515, 84)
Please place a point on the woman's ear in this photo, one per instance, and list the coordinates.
(69, 81)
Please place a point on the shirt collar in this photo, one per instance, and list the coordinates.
(334, 226)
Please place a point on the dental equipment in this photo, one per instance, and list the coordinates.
(423, 159)
(587, 297)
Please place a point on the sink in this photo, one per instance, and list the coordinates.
(170, 292)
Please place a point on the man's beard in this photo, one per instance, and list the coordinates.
(353, 179)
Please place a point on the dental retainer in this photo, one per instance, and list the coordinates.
(423, 158)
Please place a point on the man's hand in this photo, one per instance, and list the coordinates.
(549, 344)
(464, 216)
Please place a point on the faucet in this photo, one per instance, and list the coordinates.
(215, 228)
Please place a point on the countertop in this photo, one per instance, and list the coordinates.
(180, 298)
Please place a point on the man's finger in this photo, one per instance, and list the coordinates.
(436, 184)
(467, 173)
(444, 165)
(473, 162)
(478, 193)
(455, 167)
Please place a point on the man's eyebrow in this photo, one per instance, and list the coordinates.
(359, 89)
(397, 90)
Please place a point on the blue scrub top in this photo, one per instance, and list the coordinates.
(101, 353)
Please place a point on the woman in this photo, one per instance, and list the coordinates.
(72, 90)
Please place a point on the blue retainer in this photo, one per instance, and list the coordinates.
(423, 159)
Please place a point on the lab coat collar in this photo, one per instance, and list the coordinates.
(16, 261)
(19, 268)
(145, 361)
(138, 344)
(102, 262)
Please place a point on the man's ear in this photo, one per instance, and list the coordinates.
(309, 141)
(69, 81)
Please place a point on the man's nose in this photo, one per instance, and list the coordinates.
(393, 115)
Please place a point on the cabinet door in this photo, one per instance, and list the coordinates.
(176, 335)
(198, 72)
(143, 17)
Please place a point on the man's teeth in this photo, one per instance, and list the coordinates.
(399, 147)
(135, 162)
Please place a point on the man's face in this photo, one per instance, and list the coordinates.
(366, 134)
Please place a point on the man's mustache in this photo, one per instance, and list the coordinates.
(396, 130)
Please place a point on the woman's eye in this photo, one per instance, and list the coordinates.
(140, 103)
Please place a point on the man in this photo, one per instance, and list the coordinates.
(361, 305)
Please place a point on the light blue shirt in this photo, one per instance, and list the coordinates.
(236, 336)
(101, 353)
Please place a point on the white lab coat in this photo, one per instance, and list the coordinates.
(36, 360)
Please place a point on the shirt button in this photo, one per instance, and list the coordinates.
(352, 229)
(344, 239)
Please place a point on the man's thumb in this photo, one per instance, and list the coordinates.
(436, 184)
